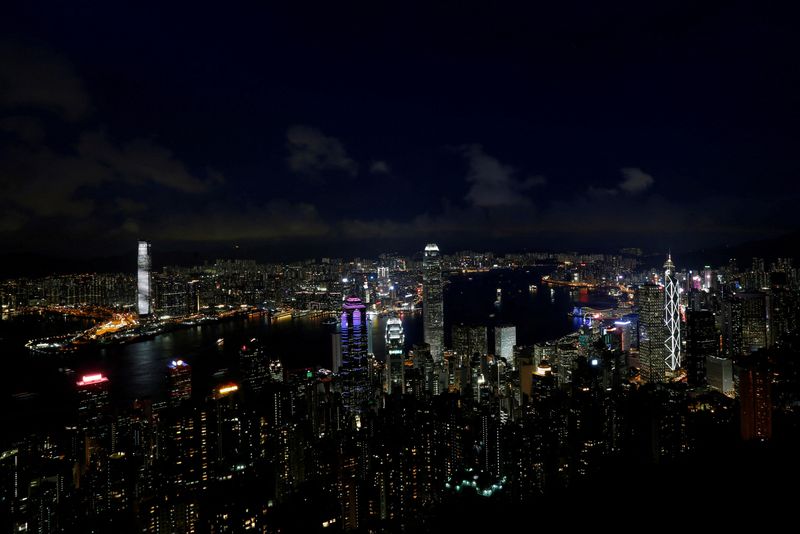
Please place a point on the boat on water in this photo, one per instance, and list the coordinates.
(329, 321)
(220, 342)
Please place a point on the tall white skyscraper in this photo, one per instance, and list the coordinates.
(395, 357)
(143, 280)
(672, 316)
(432, 301)
(505, 337)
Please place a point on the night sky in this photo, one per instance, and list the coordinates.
(353, 128)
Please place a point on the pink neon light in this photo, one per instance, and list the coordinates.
(88, 380)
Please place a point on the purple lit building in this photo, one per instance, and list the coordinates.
(353, 372)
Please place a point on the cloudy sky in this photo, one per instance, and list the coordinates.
(340, 127)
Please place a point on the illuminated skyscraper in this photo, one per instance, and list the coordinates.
(143, 280)
(469, 340)
(353, 372)
(672, 316)
(754, 321)
(93, 400)
(732, 327)
(395, 359)
(652, 332)
(505, 337)
(180, 382)
(93, 416)
(433, 306)
(253, 367)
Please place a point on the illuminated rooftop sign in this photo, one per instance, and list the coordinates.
(88, 380)
(230, 388)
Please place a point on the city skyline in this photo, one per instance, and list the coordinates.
(385, 268)
(388, 391)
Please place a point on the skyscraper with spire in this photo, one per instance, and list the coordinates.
(672, 316)
(432, 301)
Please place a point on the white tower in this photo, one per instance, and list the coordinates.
(433, 309)
(672, 316)
(143, 294)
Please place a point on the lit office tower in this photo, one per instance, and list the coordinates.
(433, 307)
(93, 408)
(652, 332)
(754, 321)
(253, 368)
(468, 340)
(179, 374)
(143, 280)
(672, 315)
(505, 337)
(93, 399)
(353, 372)
(732, 327)
(193, 296)
(395, 360)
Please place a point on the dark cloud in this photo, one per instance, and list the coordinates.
(27, 129)
(40, 79)
(493, 184)
(276, 220)
(11, 221)
(312, 152)
(71, 175)
(128, 205)
(379, 167)
(595, 216)
(635, 180)
(141, 161)
(45, 182)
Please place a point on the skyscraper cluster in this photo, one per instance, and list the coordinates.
(400, 441)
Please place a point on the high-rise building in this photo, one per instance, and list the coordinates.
(395, 359)
(336, 351)
(732, 327)
(672, 316)
(93, 414)
(253, 367)
(432, 301)
(468, 340)
(179, 374)
(505, 337)
(755, 400)
(353, 372)
(702, 342)
(94, 400)
(652, 332)
(719, 373)
(754, 321)
(143, 280)
(192, 296)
